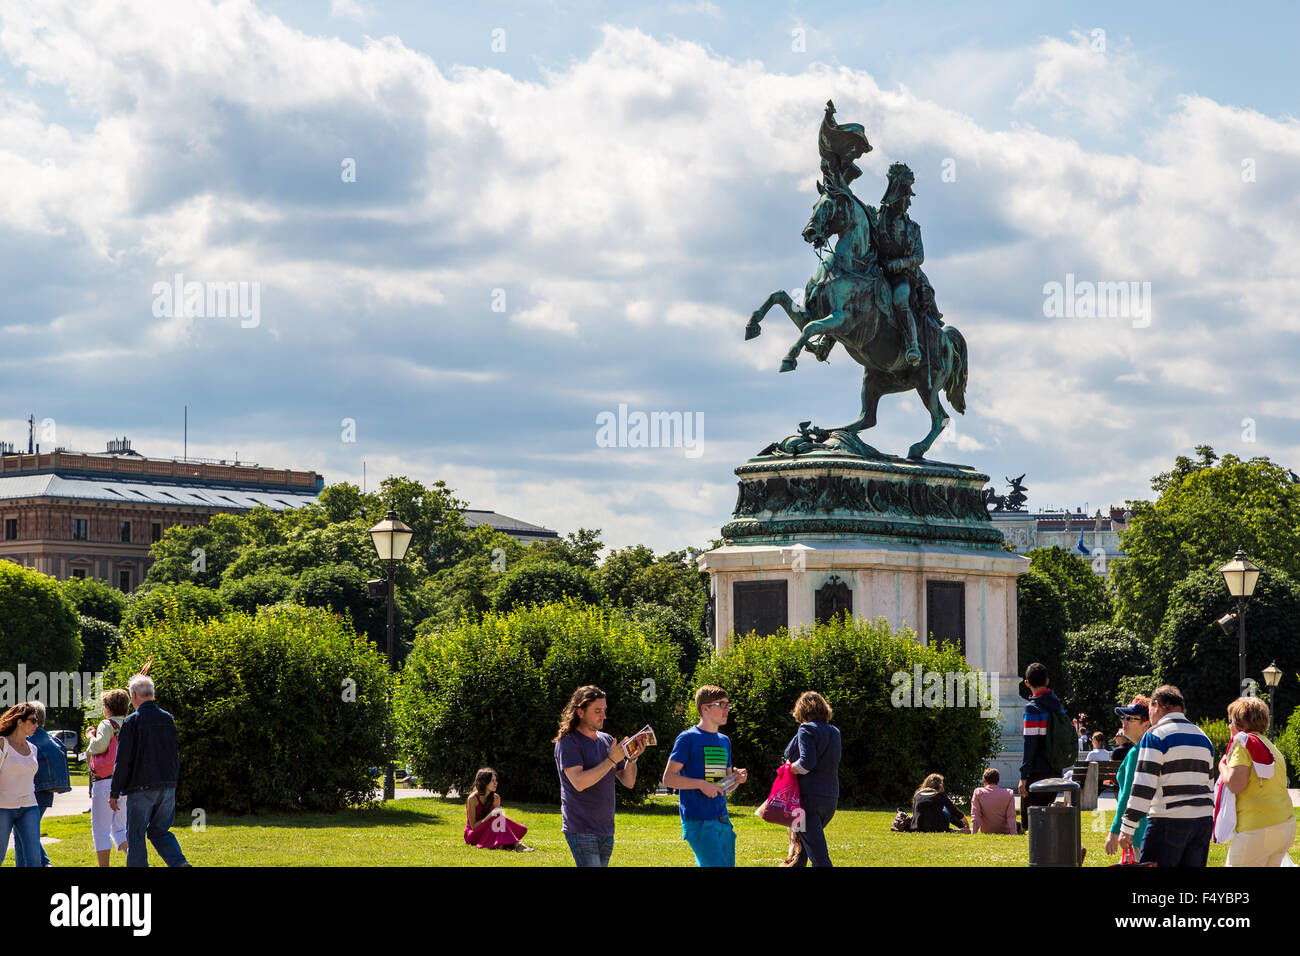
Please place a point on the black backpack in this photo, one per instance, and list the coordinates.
(1062, 744)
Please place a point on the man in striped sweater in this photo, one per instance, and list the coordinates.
(1172, 783)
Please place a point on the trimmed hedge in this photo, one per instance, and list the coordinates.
(1288, 741)
(489, 693)
(887, 750)
(284, 710)
(99, 642)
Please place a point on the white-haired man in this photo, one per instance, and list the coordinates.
(148, 761)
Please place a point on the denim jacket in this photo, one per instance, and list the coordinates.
(51, 764)
(148, 754)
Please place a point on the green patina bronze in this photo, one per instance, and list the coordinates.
(870, 296)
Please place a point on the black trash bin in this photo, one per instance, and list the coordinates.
(1056, 831)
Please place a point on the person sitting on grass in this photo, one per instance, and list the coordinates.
(486, 825)
(932, 811)
(993, 808)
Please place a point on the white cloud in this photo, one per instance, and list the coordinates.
(635, 205)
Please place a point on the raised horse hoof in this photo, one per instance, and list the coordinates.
(752, 330)
(913, 358)
(789, 365)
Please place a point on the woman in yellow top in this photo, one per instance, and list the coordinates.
(1266, 822)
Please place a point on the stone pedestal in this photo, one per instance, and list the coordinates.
(911, 542)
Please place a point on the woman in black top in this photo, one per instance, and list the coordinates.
(932, 811)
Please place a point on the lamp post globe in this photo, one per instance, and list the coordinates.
(1272, 677)
(391, 537)
(1240, 576)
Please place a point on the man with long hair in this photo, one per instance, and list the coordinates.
(584, 757)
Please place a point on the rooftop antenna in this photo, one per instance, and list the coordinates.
(31, 433)
(186, 453)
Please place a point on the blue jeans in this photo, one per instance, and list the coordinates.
(589, 849)
(151, 813)
(1177, 842)
(714, 841)
(812, 839)
(25, 822)
(44, 800)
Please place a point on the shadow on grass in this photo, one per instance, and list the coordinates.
(353, 819)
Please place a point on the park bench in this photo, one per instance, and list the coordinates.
(1093, 776)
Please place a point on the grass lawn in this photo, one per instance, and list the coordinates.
(428, 832)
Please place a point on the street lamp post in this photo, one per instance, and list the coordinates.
(391, 539)
(1240, 576)
(1272, 677)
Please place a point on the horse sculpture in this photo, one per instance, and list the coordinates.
(850, 301)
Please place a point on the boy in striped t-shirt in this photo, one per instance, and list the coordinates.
(1172, 783)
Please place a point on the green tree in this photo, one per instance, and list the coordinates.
(543, 582)
(95, 599)
(1192, 652)
(256, 590)
(1206, 510)
(174, 555)
(1097, 660)
(38, 624)
(162, 602)
(1043, 623)
(99, 641)
(614, 579)
(1084, 593)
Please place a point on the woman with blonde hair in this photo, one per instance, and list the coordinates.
(814, 754)
(1253, 772)
(932, 811)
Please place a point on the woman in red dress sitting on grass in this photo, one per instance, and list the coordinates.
(486, 826)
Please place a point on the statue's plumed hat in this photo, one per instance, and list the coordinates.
(840, 144)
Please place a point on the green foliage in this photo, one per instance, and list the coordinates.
(278, 711)
(1139, 685)
(1097, 660)
(256, 590)
(1220, 736)
(1194, 654)
(153, 603)
(542, 582)
(1043, 622)
(95, 599)
(681, 631)
(1084, 593)
(489, 692)
(173, 555)
(887, 749)
(1288, 741)
(38, 624)
(99, 641)
(1204, 513)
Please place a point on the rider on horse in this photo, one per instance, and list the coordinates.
(898, 242)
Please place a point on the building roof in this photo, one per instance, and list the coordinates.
(505, 524)
(152, 493)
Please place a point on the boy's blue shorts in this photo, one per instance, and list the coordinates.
(714, 841)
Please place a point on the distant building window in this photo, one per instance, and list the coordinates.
(79, 573)
(80, 529)
(155, 531)
(11, 529)
(124, 580)
(126, 532)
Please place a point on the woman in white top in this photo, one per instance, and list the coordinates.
(18, 810)
(1098, 751)
(107, 826)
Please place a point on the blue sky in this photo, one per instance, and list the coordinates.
(586, 215)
